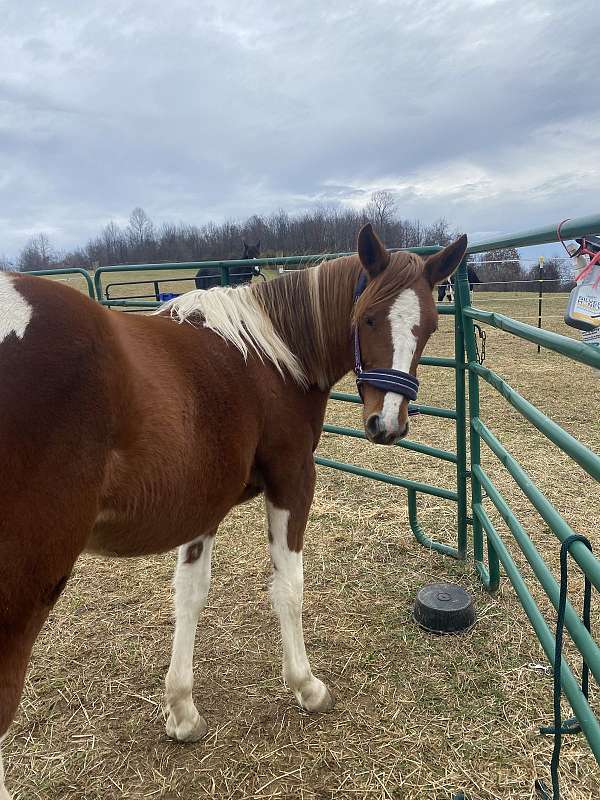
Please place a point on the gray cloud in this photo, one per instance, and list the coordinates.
(481, 111)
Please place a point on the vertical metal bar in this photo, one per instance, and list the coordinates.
(224, 273)
(461, 433)
(490, 576)
(156, 290)
(419, 534)
(540, 295)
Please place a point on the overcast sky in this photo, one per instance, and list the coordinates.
(485, 112)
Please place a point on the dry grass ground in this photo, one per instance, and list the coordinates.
(418, 717)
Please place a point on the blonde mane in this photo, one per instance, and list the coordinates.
(302, 321)
(236, 316)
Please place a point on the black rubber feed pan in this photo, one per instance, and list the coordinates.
(444, 608)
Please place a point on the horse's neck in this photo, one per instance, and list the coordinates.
(311, 311)
(337, 285)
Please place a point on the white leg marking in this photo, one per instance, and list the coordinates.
(286, 590)
(404, 314)
(15, 311)
(4, 795)
(191, 584)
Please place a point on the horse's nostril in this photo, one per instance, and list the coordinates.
(372, 425)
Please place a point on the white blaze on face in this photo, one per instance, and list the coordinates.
(404, 314)
(15, 311)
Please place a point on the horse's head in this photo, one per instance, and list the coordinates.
(251, 250)
(394, 317)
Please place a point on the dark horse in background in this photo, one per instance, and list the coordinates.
(448, 286)
(207, 277)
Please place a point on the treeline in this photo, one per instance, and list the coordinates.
(323, 230)
(503, 271)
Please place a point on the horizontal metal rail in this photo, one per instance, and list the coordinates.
(141, 304)
(225, 264)
(586, 560)
(71, 271)
(578, 351)
(427, 411)
(582, 455)
(581, 636)
(585, 715)
(384, 477)
(545, 235)
(407, 444)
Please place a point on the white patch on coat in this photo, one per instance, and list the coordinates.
(404, 314)
(286, 590)
(191, 583)
(15, 311)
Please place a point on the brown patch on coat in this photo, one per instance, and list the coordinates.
(193, 552)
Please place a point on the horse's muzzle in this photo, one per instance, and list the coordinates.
(378, 434)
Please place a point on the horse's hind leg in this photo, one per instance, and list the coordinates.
(191, 584)
(287, 513)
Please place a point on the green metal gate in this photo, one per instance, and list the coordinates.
(473, 523)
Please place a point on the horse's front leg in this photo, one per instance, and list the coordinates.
(191, 584)
(287, 512)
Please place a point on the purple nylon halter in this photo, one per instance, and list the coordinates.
(386, 380)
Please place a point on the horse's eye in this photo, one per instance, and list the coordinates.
(370, 321)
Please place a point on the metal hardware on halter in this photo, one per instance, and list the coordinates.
(386, 380)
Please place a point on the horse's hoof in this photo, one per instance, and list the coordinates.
(315, 697)
(188, 730)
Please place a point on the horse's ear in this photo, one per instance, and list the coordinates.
(371, 252)
(441, 265)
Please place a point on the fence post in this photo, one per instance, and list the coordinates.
(490, 575)
(461, 430)
(540, 295)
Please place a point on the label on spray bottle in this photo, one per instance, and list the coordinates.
(583, 310)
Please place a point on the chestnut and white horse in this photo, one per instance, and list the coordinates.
(128, 435)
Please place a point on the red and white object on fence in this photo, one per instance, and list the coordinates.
(583, 309)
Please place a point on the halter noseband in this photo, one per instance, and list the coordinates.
(386, 380)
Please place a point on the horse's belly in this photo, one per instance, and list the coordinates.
(123, 531)
(113, 535)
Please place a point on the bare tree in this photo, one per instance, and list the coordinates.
(37, 254)
(140, 233)
(381, 208)
(501, 270)
(556, 280)
(6, 265)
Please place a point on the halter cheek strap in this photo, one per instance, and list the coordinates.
(386, 380)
